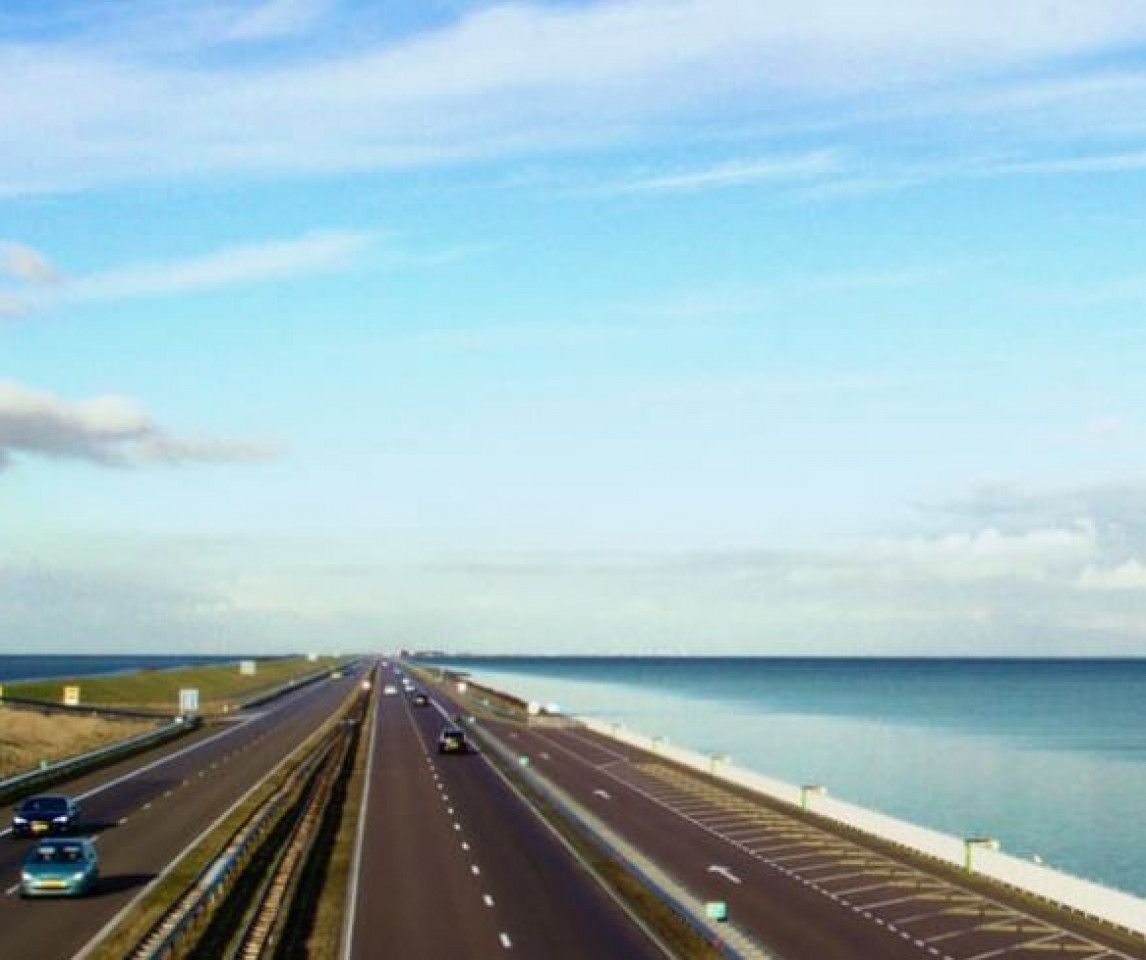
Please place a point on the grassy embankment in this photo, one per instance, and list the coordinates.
(220, 686)
(27, 737)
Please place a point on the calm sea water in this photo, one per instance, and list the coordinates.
(1047, 755)
(40, 667)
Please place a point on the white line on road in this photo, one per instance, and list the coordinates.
(505, 941)
(603, 794)
(724, 872)
(487, 900)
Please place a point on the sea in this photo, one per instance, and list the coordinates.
(1048, 756)
(74, 665)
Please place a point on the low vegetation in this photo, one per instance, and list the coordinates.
(28, 737)
(218, 685)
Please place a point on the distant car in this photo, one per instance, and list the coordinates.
(452, 740)
(59, 868)
(44, 815)
(389, 690)
(420, 700)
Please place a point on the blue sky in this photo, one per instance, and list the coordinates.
(660, 325)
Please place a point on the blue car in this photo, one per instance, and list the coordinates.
(45, 814)
(59, 868)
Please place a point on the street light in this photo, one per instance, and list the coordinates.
(808, 790)
(969, 845)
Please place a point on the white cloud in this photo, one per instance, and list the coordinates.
(277, 18)
(503, 78)
(735, 173)
(245, 263)
(22, 262)
(112, 431)
(1130, 575)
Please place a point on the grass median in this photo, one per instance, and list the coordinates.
(219, 685)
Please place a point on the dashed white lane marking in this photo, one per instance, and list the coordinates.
(465, 846)
(12, 889)
(475, 870)
(457, 826)
(505, 941)
(487, 900)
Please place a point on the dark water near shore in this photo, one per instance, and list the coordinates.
(41, 667)
(1047, 755)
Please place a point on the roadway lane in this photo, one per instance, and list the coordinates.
(453, 864)
(804, 891)
(146, 820)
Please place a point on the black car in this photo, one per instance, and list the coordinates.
(44, 815)
(452, 740)
(420, 700)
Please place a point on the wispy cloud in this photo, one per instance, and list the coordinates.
(111, 431)
(21, 262)
(313, 252)
(501, 79)
(734, 173)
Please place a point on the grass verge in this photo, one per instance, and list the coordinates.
(28, 737)
(325, 940)
(218, 685)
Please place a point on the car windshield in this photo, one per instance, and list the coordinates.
(52, 805)
(54, 853)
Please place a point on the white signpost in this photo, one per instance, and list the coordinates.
(247, 668)
(71, 696)
(188, 701)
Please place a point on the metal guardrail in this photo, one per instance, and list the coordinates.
(54, 772)
(733, 944)
(165, 938)
(86, 709)
(264, 696)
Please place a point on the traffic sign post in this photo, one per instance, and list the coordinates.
(188, 701)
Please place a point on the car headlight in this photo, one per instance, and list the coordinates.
(78, 875)
(19, 819)
(59, 819)
(26, 876)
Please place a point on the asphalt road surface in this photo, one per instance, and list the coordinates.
(453, 865)
(803, 891)
(145, 811)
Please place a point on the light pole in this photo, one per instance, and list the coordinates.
(969, 845)
(809, 790)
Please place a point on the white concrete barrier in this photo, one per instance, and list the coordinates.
(1082, 896)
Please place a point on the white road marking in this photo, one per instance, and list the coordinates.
(475, 870)
(505, 941)
(603, 794)
(487, 900)
(724, 872)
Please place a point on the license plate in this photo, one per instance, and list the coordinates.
(39, 828)
(52, 885)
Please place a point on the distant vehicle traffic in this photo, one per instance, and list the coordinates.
(420, 700)
(389, 690)
(44, 815)
(452, 740)
(59, 868)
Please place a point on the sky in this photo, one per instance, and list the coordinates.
(645, 326)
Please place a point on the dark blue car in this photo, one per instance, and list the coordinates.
(45, 815)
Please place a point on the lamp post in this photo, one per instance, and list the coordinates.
(808, 790)
(969, 845)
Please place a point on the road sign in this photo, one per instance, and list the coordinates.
(247, 668)
(71, 696)
(189, 700)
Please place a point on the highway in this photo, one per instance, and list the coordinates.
(145, 811)
(802, 891)
(454, 865)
